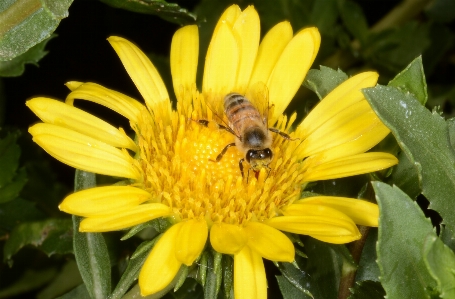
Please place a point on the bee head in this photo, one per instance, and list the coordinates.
(259, 158)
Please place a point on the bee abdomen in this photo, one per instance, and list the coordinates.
(238, 109)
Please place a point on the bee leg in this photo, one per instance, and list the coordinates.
(241, 166)
(268, 173)
(205, 123)
(282, 134)
(218, 158)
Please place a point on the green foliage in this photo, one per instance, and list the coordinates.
(16, 66)
(11, 180)
(368, 268)
(403, 230)
(367, 289)
(440, 261)
(353, 18)
(424, 138)
(170, 12)
(27, 23)
(324, 80)
(412, 79)
(404, 258)
(52, 236)
(90, 249)
(131, 273)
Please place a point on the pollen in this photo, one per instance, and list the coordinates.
(178, 161)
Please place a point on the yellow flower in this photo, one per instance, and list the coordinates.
(168, 165)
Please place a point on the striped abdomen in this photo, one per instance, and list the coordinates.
(241, 113)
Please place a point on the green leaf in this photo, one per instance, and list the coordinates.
(348, 187)
(406, 177)
(213, 279)
(136, 229)
(368, 268)
(79, 292)
(18, 211)
(403, 229)
(299, 279)
(447, 237)
(424, 138)
(298, 13)
(170, 12)
(12, 179)
(442, 41)
(412, 79)
(440, 261)
(441, 10)
(181, 278)
(451, 127)
(288, 290)
(144, 247)
(67, 279)
(29, 281)
(9, 158)
(367, 290)
(90, 249)
(189, 290)
(318, 275)
(52, 236)
(12, 189)
(228, 275)
(324, 80)
(324, 15)
(131, 273)
(26, 23)
(16, 66)
(354, 19)
(395, 48)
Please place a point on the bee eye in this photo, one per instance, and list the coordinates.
(250, 154)
(268, 153)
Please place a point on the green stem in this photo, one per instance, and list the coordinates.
(348, 278)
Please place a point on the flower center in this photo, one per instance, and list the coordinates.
(177, 160)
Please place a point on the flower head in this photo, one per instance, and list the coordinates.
(170, 164)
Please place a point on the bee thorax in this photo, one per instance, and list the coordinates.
(255, 137)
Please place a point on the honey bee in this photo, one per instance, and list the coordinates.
(251, 131)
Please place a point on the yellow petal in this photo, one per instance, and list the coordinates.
(292, 67)
(249, 275)
(247, 31)
(317, 222)
(161, 265)
(125, 218)
(191, 240)
(60, 114)
(270, 50)
(227, 238)
(143, 73)
(229, 16)
(269, 242)
(120, 103)
(221, 63)
(360, 211)
(83, 152)
(72, 85)
(348, 125)
(103, 200)
(370, 137)
(349, 166)
(184, 58)
(343, 96)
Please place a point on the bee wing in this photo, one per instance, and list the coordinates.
(215, 112)
(258, 95)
